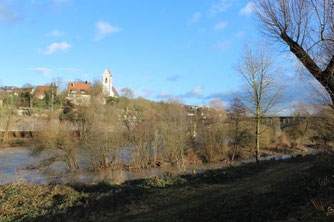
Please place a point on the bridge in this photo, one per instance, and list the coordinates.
(284, 121)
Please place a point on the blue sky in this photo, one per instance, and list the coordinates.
(158, 48)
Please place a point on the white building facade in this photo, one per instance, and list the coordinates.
(107, 83)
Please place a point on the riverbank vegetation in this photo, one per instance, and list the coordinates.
(141, 134)
(299, 189)
(134, 133)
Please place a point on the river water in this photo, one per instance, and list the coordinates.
(15, 167)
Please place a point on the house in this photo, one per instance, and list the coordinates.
(42, 90)
(19, 91)
(12, 90)
(79, 93)
(7, 90)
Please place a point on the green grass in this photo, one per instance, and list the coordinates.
(20, 202)
(269, 191)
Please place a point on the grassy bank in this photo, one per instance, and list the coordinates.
(299, 189)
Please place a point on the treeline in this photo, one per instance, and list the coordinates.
(138, 134)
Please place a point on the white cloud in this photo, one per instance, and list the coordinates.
(222, 45)
(173, 78)
(240, 34)
(196, 92)
(6, 14)
(220, 25)
(194, 18)
(54, 33)
(221, 6)
(248, 9)
(143, 92)
(164, 95)
(42, 70)
(57, 46)
(104, 29)
(223, 95)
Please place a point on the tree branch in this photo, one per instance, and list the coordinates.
(307, 61)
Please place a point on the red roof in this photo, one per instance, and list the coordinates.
(23, 90)
(40, 90)
(115, 92)
(78, 87)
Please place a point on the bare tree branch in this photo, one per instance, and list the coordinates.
(263, 94)
(292, 23)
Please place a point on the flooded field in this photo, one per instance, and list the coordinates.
(16, 166)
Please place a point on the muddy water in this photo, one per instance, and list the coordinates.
(15, 166)
(15, 162)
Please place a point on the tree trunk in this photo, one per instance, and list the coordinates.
(6, 134)
(30, 101)
(105, 160)
(236, 138)
(324, 77)
(257, 151)
(234, 151)
(75, 163)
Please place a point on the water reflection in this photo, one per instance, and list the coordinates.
(15, 166)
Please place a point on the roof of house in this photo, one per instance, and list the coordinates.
(6, 88)
(79, 87)
(23, 90)
(40, 90)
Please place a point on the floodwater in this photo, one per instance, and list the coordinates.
(15, 166)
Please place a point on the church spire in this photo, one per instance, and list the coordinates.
(107, 72)
(107, 83)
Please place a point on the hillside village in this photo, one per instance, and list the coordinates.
(78, 93)
(38, 101)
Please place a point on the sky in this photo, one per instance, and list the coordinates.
(158, 48)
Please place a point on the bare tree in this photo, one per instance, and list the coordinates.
(307, 28)
(56, 140)
(6, 116)
(262, 92)
(238, 129)
(174, 131)
(100, 134)
(211, 132)
(299, 130)
(140, 122)
(127, 93)
(60, 83)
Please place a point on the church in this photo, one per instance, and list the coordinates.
(108, 89)
(79, 93)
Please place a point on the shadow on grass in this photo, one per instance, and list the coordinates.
(287, 197)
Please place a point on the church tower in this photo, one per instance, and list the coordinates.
(107, 83)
